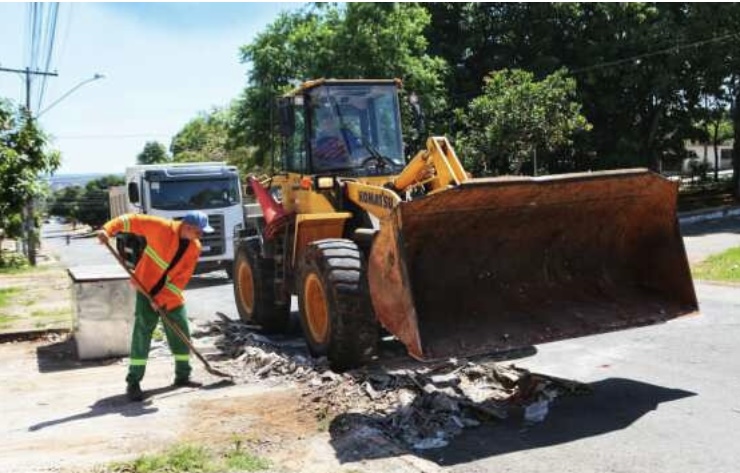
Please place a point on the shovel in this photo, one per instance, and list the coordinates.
(163, 315)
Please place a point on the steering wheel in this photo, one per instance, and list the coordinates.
(379, 159)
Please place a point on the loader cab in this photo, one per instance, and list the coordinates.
(348, 128)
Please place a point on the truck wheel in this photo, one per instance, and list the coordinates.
(254, 290)
(336, 313)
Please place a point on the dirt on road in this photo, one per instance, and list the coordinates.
(60, 414)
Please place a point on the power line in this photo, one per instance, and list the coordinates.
(672, 49)
(50, 39)
(110, 136)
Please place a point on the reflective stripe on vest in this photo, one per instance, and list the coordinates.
(149, 251)
(176, 290)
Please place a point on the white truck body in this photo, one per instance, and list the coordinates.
(171, 190)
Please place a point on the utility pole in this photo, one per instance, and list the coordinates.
(28, 223)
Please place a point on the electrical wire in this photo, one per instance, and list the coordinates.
(640, 57)
(51, 36)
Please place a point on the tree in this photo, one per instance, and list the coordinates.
(357, 40)
(95, 205)
(716, 65)
(154, 152)
(23, 157)
(66, 203)
(203, 138)
(517, 117)
(636, 63)
(89, 205)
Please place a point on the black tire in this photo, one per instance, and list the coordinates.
(254, 289)
(332, 273)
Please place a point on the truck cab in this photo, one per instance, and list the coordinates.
(171, 190)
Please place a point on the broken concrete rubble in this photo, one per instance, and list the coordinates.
(422, 406)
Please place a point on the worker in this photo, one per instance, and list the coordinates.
(333, 145)
(164, 269)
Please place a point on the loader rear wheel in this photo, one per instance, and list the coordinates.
(336, 312)
(254, 290)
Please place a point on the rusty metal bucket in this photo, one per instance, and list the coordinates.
(504, 263)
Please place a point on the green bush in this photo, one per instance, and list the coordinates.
(12, 261)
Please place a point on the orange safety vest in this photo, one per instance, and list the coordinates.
(162, 240)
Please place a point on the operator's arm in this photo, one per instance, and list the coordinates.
(130, 223)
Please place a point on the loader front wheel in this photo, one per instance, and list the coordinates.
(254, 290)
(336, 312)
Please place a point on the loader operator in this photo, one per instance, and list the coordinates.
(333, 145)
(164, 269)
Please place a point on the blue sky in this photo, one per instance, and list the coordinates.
(163, 63)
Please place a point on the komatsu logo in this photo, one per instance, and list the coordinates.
(377, 199)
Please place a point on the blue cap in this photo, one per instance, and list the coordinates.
(198, 219)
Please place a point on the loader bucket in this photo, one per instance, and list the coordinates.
(505, 263)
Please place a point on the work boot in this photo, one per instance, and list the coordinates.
(134, 392)
(187, 383)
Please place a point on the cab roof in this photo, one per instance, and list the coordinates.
(311, 84)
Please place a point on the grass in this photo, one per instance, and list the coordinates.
(7, 293)
(185, 458)
(58, 313)
(720, 267)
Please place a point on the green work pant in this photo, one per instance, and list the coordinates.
(144, 324)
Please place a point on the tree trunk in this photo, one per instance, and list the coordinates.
(715, 144)
(653, 156)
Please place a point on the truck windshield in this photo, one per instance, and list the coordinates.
(194, 194)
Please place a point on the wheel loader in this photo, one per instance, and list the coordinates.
(450, 265)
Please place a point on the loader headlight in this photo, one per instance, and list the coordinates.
(324, 182)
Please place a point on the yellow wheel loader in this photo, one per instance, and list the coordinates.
(450, 265)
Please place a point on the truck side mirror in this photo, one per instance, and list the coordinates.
(287, 117)
(133, 192)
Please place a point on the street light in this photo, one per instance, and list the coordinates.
(86, 81)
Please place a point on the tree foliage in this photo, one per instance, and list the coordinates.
(203, 138)
(517, 116)
(89, 205)
(639, 66)
(357, 40)
(648, 76)
(24, 156)
(154, 152)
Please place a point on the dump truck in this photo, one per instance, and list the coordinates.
(170, 190)
(450, 265)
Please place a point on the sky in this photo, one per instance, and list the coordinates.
(163, 63)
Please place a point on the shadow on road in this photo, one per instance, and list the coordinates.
(209, 280)
(62, 355)
(118, 404)
(707, 227)
(614, 404)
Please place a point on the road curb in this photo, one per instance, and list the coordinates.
(686, 218)
(31, 335)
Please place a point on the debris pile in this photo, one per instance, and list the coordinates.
(423, 406)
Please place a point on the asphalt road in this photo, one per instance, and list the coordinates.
(664, 397)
